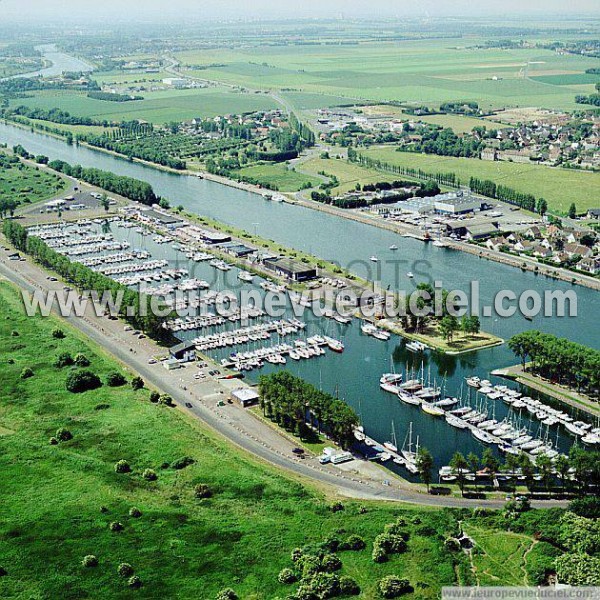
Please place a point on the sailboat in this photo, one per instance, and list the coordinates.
(407, 451)
(393, 445)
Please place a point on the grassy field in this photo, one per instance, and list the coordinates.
(425, 71)
(560, 187)
(347, 173)
(279, 177)
(156, 107)
(180, 547)
(28, 184)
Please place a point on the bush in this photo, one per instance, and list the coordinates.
(122, 467)
(89, 561)
(137, 383)
(353, 542)
(26, 373)
(15, 333)
(125, 570)
(134, 512)
(337, 507)
(63, 360)
(349, 587)
(331, 563)
(149, 475)
(588, 507)
(393, 587)
(182, 463)
(287, 577)
(63, 435)
(116, 526)
(58, 334)
(296, 554)
(452, 545)
(81, 360)
(332, 543)
(115, 380)
(227, 594)
(202, 491)
(154, 397)
(166, 400)
(379, 555)
(390, 543)
(82, 381)
(134, 582)
(53, 441)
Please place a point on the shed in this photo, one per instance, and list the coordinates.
(245, 396)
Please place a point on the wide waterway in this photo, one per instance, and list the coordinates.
(354, 375)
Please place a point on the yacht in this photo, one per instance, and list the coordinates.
(438, 244)
(409, 398)
(410, 275)
(390, 378)
(334, 345)
(431, 409)
(455, 421)
(416, 346)
(474, 382)
(374, 259)
(393, 247)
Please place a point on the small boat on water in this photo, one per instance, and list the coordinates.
(390, 378)
(374, 259)
(245, 276)
(393, 247)
(409, 398)
(456, 421)
(410, 275)
(415, 346)
(334, 345)
(431, 409)
(482, 436)
(474, 382)
(438, 244)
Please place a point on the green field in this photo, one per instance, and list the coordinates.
(29, 184)
(63, 497)
(156, 107)
(422, 71)
(279, 177)
(560, 187)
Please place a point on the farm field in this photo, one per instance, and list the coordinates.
(423, 71)
(156, 107)
(27, 184)
(179, 546)
(278, 177)
(560, 187)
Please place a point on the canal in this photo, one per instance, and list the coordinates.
(354, 375)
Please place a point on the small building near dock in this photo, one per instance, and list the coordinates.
(291, 269)
(245, 396)
(237, 249)
(184, 352)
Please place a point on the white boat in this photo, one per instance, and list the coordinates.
(245, 276)
(438, 244)
(407, 449)
(379, 334)
(409, 398)
(456, 422)
(392, 388)
(482, 436)
(374, 259)
(393, 247)
(390, 378)
(410, 274)
(416, 346)
(474, 382)
(334, 345)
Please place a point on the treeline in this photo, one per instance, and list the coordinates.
(444, 142)
(22, 85)
(593, 99)
(54, 115)
(128, 187)
(488, 188)
(293, 138)
(559, 359)
(85, 279)
(301, 407)
(449, 179)
(113, 97)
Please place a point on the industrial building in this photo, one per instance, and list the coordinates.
(290, 268)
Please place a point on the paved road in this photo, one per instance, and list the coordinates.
(238, 426)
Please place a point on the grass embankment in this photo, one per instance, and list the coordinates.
(59, 500)
(460, 344)
(28, 185)
(560, 187)
(278, 177)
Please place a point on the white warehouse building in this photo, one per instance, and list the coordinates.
(456, 203)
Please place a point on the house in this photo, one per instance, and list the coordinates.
(542, 251)
(534, 232)
(489, 154)
(590, 265)
(184, 352)
(593, 213)
(577, 250)
(496, 243)
(523, 246)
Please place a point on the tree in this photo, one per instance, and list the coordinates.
(448, 327)
(104, 202)
(544, 466)
(137, 383)
(122, 466)
(572, 211)
(473, 462)
(227, 594)
(541, 206)
(459, 466)
(115, 379)
(490, 462)
(393, 587)
(425, 466)
(82, 381)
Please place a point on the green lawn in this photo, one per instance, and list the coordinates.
(58, 500)
(560, 187)
(279, 177)
(156, 107)
(29, 184)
